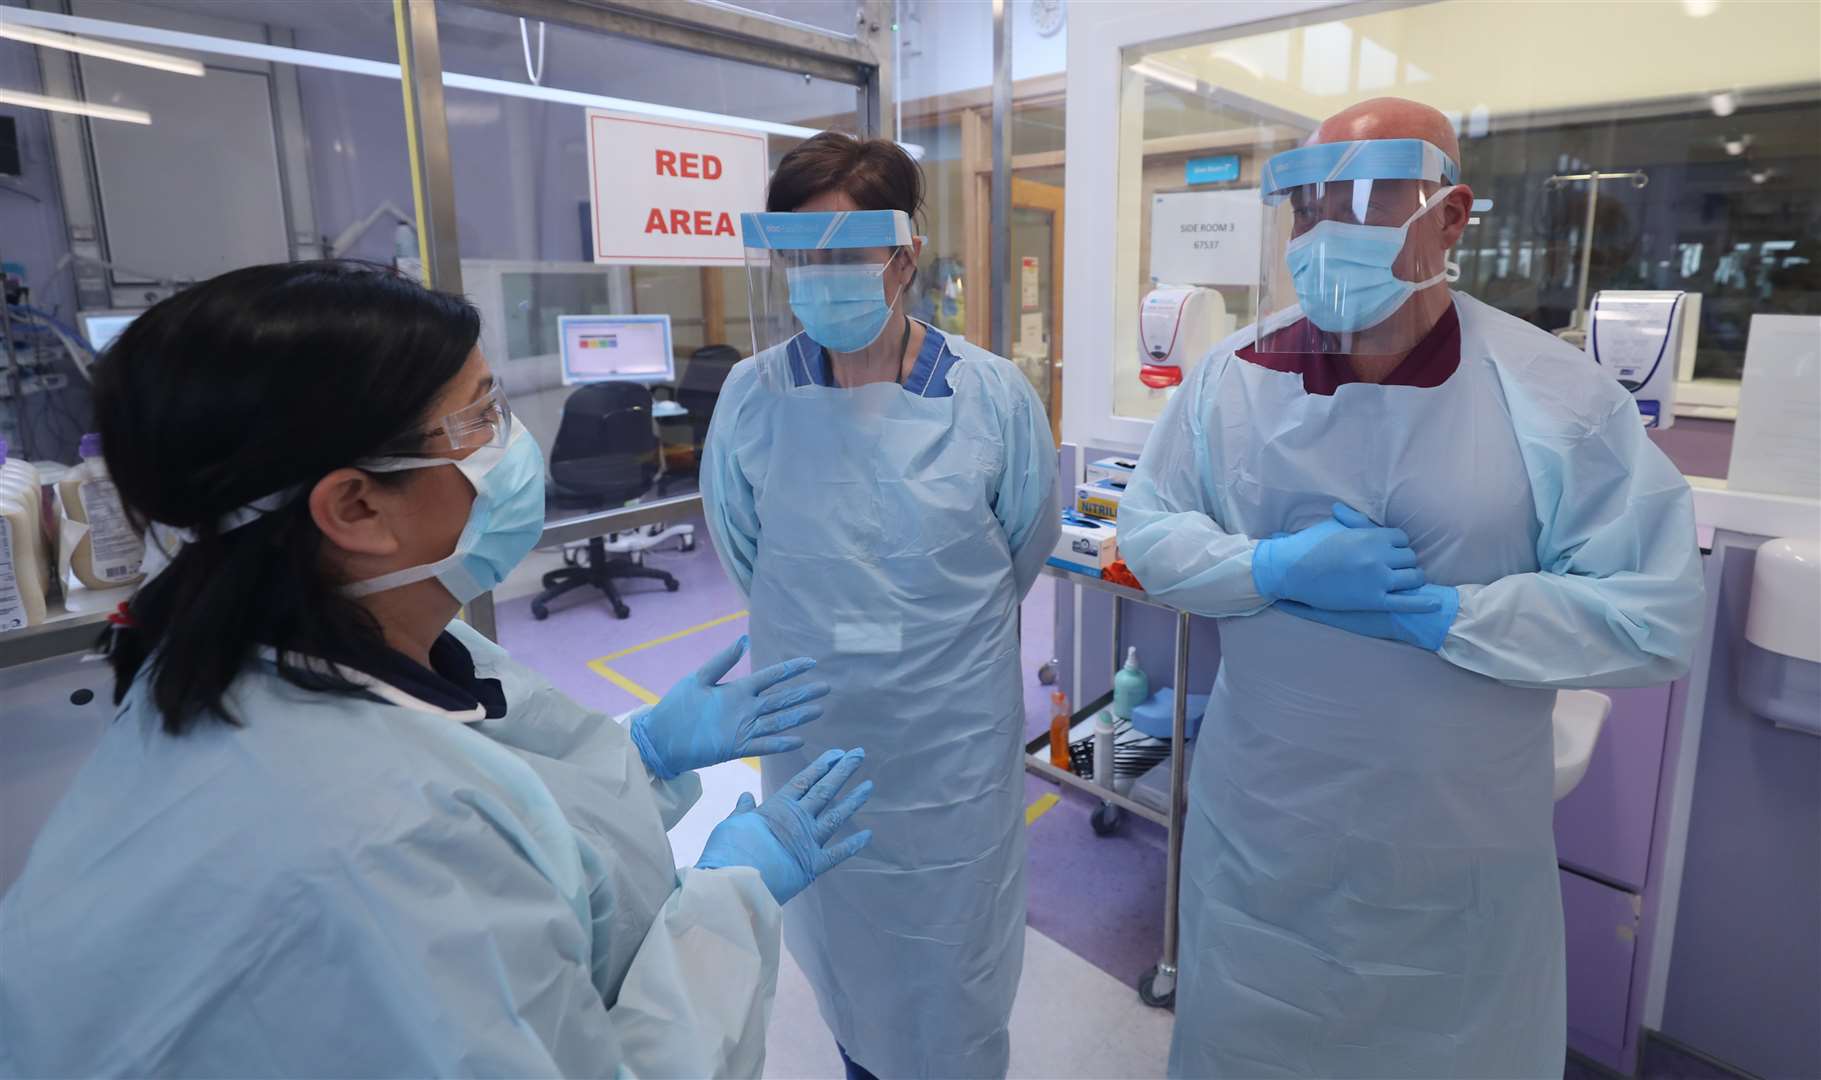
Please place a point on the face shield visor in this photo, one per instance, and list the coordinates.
(832, 278)
(1349, 236)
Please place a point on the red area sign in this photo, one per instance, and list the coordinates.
(668, 193)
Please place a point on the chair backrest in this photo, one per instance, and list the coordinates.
(701, 382)
(606, 447)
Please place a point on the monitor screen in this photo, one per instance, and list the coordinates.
(102, 327)
(616, 348)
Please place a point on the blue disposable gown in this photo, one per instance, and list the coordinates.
(347, 888)
(891, 535)
(1369, 874)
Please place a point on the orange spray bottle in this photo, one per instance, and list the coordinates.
(1059, 729)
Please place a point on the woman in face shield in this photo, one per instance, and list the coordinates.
(333, 831)
(885, 495)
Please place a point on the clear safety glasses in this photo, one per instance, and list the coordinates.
(485, 422)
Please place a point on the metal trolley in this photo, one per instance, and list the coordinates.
(1158, 986)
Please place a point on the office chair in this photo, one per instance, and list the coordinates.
(698, 388)
(606, 454)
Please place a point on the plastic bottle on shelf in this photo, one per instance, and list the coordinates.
(21, 566)
(20, 477)
(1131, 686)
(1059, 730)
(1104, 726)
(109, 552)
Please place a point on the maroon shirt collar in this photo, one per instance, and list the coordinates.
(1429, 364)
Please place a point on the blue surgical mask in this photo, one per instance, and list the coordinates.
(842, 308)
(1342, 271)
(503, 525)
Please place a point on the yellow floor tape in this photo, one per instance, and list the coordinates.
(600, 665)
(1042, 806)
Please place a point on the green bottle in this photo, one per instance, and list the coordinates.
(1130, 686)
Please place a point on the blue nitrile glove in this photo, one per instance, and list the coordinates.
(703, 721)
(785, 838)
(1344, 564)
(1424, 629)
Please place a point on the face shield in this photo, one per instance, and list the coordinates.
(826, 276)
(1346, 243)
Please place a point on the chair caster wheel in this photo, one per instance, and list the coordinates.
(1106, 819)
(672, 585)
(622, 612)
(1149, 994)
(540, 612)
(689, 543)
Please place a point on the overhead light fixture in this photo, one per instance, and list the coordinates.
(1759, 176)
(1724, 104)
(1700, 9)
(308, 58)
(1735, 147)
(1167, 75)
(78, 108)
(102, 50)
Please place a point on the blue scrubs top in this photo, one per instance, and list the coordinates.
(810, 366)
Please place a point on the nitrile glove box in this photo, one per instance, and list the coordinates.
(1099, 499)
(1085, 546)
(1117, 471)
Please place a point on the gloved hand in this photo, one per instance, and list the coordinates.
(1424, 629)
(703, 721)
(1345, 564)
(786, 838)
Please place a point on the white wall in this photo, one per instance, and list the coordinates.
(948, 45)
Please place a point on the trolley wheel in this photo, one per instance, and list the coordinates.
(539, 612)
(1046, 674)
(672, 585)
(621, 611)
(1147, 991)
(1106, 819)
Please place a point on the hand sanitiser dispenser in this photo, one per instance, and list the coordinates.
(1177, 325)
(1780, 669)
(1637, 337)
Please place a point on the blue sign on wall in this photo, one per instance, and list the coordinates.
(1211, 170)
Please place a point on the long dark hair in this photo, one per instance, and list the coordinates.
(259, 381)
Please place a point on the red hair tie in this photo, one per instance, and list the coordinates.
(123, 618)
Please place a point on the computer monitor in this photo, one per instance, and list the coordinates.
(102, 327)
(616, 348)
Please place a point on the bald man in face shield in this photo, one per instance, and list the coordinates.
(1415, 517)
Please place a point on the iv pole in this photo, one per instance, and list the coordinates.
(1577, 325)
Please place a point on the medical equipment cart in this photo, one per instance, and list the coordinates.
(1157, 987)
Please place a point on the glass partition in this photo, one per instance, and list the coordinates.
(147, 146)
(1714, 107)
(518, 98)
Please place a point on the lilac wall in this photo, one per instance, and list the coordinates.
(1745, 973)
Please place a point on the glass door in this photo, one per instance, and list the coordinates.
(1036, 291)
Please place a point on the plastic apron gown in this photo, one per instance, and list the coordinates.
(882, 559)
(1370, 884)
(344, 887)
